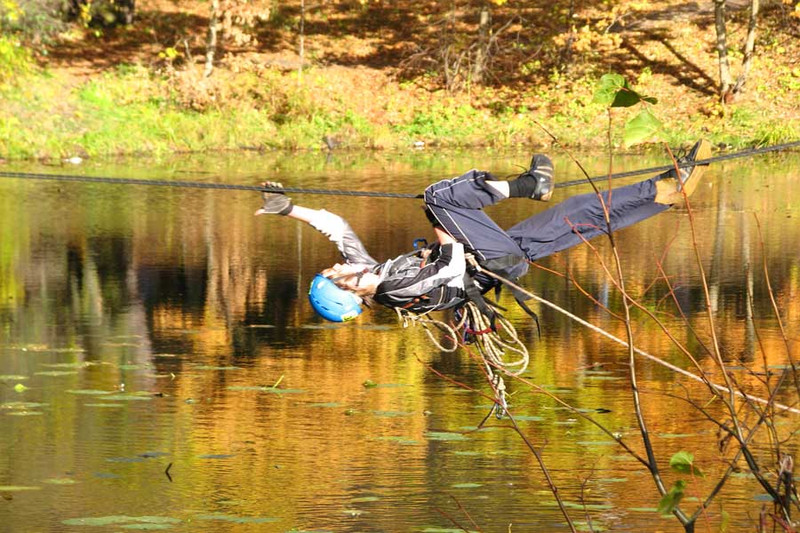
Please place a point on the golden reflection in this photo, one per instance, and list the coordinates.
(246, 369)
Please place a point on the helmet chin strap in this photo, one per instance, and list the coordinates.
(358, 276)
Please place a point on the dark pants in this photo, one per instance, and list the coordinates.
(457, 205)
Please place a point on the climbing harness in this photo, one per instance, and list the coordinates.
(336, 192)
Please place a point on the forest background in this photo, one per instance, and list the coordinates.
(108, 77)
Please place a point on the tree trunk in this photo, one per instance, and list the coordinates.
(302, 39)
(749, 46)
(211, 42)
(722, 49)
(482, 53)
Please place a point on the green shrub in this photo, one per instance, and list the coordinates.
(15, 61)
(32, 20)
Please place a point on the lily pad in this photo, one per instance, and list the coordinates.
(400, 440)
(124, 459)
(79, 364)
(135, 367)
(237, 519)
(579, 505)
(444, 530)
(109, 404)
(60, 481)
(444, 435)
(151, 455)
(25, 413)
(12, 377)
(90, 392)
(121, 344)
(120, 520)
(365, 499)
(56, 373)
(466, 485)
(270, 390)
(105, 475)
(273, 390)
(127, 397)
(528, 418)
(392, 414)
(586, 526)
(146, 526)
(21, 406)
(17, 488)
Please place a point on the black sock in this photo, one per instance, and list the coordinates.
(522, 187)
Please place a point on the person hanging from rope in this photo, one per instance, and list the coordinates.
(438, 277)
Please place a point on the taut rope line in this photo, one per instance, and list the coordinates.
(635, 349)
(337, 192)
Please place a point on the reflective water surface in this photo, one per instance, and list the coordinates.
(160, 367)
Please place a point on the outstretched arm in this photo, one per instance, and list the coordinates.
(329, 224)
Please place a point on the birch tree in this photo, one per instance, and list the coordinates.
(728, 89)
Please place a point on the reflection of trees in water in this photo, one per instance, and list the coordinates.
(187, 272)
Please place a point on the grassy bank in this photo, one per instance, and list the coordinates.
(49, 113)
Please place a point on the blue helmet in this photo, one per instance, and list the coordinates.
(331, 302)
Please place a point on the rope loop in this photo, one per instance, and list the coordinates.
(500, 353)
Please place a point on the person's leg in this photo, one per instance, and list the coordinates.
(581, 218)
(456, 204)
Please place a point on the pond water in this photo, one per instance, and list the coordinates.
(160, 367)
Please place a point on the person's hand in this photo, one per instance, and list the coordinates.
(341, 270)
(275, 203)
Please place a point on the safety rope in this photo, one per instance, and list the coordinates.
(408, 318)
(338, 192)
(638, 351)
(500, 349)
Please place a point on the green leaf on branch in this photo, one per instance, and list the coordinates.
(640, 128)
(613, 90)
(671, 499)
(607, 88)
(683, 463)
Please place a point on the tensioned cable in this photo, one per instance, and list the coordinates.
(338, 192)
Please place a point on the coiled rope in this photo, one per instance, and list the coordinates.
(500, 348)
(338, 192)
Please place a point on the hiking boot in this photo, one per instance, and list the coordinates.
(537, 182)
(275, 203)
(671, 188)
